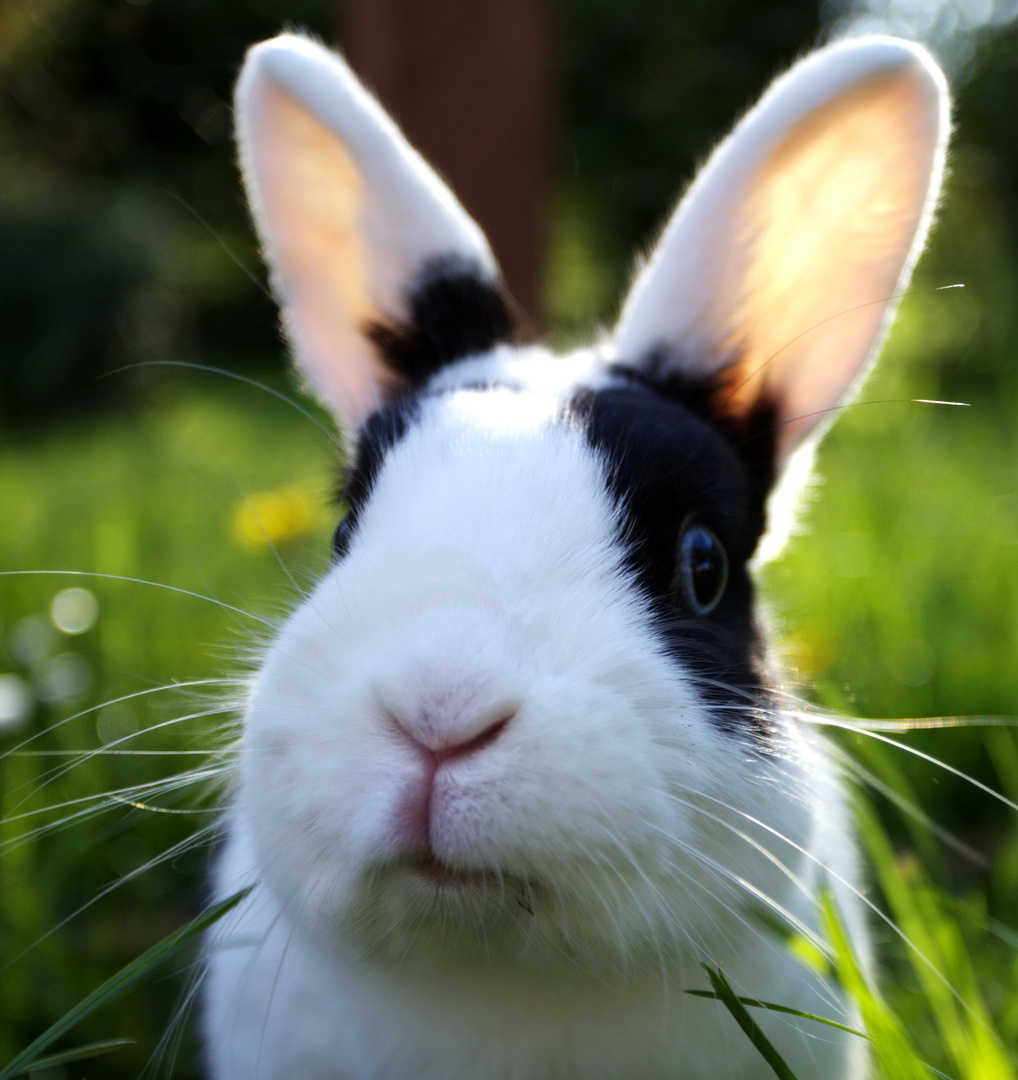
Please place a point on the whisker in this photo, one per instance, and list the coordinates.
(193, 840)
(861, 896)
(754, 890)
(54, 774)
(114, 753)
(920, 723)
(140, 581)
(18, 749)
(102, 802)
(909, 809)
(847, 725)
(167, 1048)
(213, 232)
(893, 298)
(212, 370)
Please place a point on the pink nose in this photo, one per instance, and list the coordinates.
(480, 741)
(444, 742)
(420, 807)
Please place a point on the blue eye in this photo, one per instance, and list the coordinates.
(342, 536)
(702, 571)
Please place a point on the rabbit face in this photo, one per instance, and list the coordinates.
(496, 725)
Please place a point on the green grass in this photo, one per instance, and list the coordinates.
(35, 1056)
(900, 602)
(153, 496)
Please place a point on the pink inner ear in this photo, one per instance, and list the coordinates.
(348, 212)
(780, 271)
(308, 202)
(826, 234)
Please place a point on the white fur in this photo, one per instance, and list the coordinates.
(618, 838)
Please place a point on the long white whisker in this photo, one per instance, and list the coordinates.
(860, 895)
(908, 809)
(140, 581)
(18, 749)
(38, 783)
(923, 756)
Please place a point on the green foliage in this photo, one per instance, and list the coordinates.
(157, 497)
(32, 1057)
(648, 88)
(120, 221)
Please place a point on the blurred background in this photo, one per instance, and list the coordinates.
(132, 299)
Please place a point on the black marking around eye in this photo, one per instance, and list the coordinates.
(666, 462)
(455, 310)
(753, 433)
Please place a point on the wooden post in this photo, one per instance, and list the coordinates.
(469, 81)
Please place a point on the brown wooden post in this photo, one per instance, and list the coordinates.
(469, 81)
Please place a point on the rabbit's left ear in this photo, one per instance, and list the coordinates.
(356, 228)
(778, 275)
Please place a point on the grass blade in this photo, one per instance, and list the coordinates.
(894, 1050)
(117, 984)
(78, 1053)
(726, 995)
(770, 1006)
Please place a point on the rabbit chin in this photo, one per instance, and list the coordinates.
(600, 922)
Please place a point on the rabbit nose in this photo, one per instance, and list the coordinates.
(484, 738)
(447, 736)
(423, 811)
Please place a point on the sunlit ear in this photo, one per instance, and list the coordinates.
(349, 214)
(780, 271)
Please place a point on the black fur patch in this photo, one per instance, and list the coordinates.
(379, 434)
(753, 434)
(672, 461)
(454, 311)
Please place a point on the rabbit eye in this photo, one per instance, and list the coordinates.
(342, 536)
(702, 572)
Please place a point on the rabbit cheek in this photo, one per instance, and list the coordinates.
(301, 797)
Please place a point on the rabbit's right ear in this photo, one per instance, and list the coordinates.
(778, 275)
(362, 238)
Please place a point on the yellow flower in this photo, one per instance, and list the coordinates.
(272, 518)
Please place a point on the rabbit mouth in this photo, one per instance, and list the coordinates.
(443, 881)
(430, 868)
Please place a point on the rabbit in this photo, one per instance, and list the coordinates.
(520, 765)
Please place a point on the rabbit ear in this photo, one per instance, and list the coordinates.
(355, 226)
(777, 277)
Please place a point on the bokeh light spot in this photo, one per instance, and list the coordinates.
(63, 679)
(115, 722)
(911, 662)
(15, 702)
(32, 639)
(73, 611)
